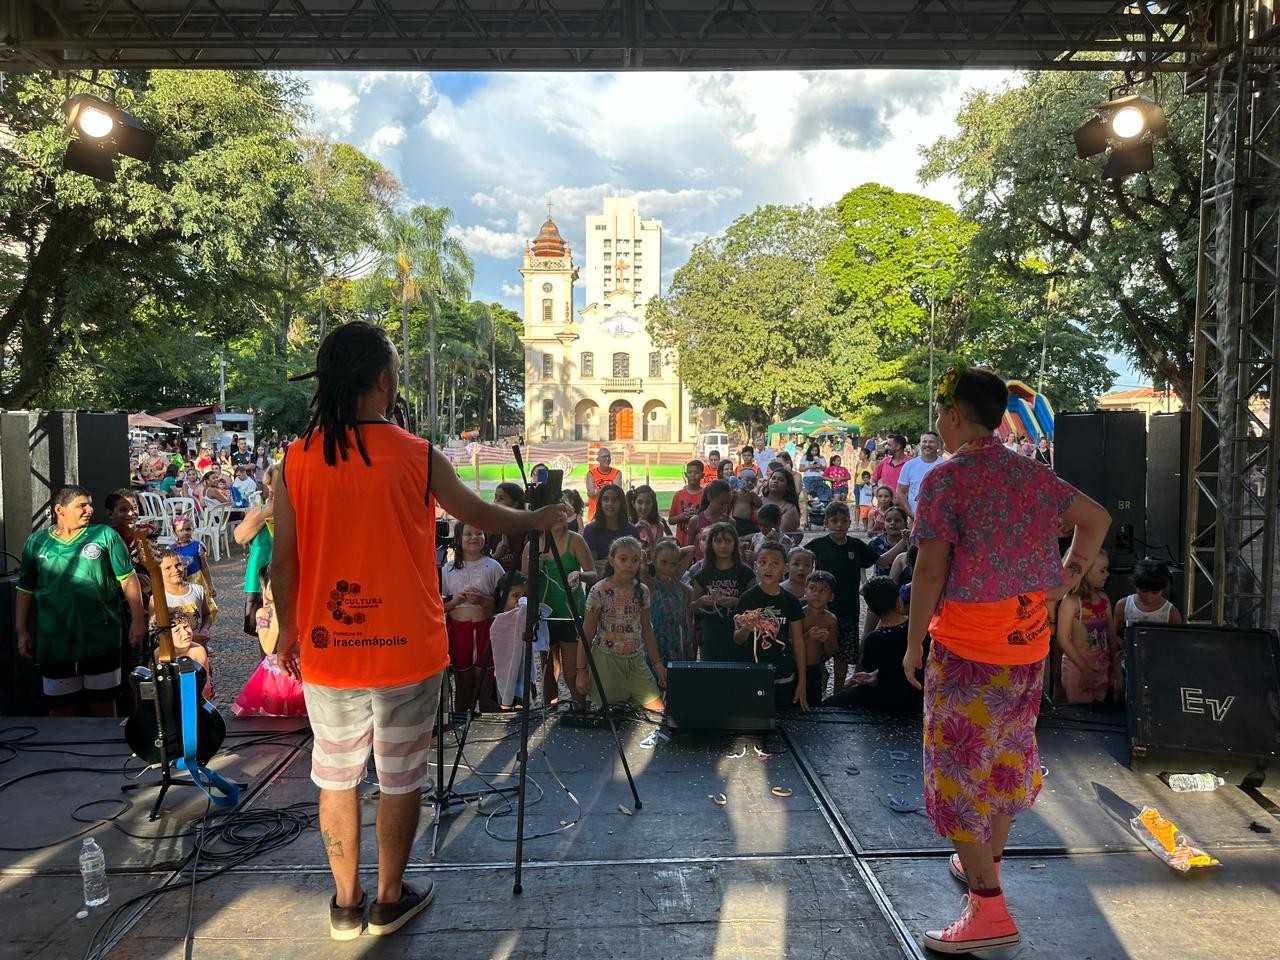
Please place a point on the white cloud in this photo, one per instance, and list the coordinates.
(512, 289)
(382, 138)
(491, 243)
(333, 103)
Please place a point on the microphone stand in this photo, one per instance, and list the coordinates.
(542, 495)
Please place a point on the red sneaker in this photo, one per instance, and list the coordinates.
(957, 870)
(984, 923)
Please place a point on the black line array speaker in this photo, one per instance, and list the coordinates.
(1168, 463)
(710, 695)
(1104, 455)
(40, 450)
(1212, 693)
(20, 689)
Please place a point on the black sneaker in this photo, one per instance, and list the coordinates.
(346, 923)
(385, 918)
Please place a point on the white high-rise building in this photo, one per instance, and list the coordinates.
(623, 252)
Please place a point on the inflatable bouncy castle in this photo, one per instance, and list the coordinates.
(1029, 413)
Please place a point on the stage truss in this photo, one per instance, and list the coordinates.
(1231, 506)
(595, 34)
(1229, 49)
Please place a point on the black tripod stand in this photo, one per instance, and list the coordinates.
(444, 796)
(543, 495)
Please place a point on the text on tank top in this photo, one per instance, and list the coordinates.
(369, 612)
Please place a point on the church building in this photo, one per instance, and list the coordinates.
(597, 376)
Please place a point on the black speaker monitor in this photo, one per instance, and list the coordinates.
(709, 695)
(1204, 690)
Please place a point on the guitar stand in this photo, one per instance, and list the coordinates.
(167, 780)
(444, 796)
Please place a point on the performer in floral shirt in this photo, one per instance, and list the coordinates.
(979, 591)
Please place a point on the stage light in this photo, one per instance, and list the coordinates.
(102, 132)
(1125, 128)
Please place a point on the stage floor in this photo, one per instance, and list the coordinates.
(829, 871)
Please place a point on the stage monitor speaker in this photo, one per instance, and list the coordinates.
(41, 450)
(1104, 455)
(710, 695)
(1209, 692)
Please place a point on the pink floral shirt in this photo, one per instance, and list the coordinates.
(999, 511)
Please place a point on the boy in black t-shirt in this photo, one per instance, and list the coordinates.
(845, 558)
(879, 683)
(768, 625)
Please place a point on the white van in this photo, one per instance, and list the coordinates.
(225, 426)
(712, 441)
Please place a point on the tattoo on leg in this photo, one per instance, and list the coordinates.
(331, 846)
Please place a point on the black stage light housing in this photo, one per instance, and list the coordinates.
(1125, 129)
(102, 132)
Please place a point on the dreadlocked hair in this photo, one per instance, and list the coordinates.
(347, 365)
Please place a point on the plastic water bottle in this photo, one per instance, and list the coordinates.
(1192, 782)
(93, 871)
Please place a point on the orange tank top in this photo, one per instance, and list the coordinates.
(369, 612)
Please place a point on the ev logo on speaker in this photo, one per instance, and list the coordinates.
(1194, 701)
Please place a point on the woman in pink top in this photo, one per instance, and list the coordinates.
(979, 590)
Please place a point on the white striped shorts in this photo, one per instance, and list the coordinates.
(394, 722)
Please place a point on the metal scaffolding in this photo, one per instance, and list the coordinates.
(593, 34)
(1231, 507)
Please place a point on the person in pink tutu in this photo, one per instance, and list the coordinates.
(269, 691)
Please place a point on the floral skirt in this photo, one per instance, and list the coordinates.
(980, 757)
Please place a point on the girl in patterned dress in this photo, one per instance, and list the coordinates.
(1090, 645)
(978, 590)
(622, 641)
(669, 603)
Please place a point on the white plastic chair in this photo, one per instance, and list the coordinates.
(151, 510)
(213, 529)
(177, 507)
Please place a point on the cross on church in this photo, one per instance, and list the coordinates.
(621, 267)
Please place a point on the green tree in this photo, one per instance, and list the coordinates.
(168, 240)
(1123, 252)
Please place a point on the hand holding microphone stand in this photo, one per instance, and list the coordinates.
(543, 495)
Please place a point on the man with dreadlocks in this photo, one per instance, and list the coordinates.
(360, 615)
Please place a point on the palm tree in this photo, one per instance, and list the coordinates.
(460, 360)
(489, 332)
(397, 250)
(443, 270)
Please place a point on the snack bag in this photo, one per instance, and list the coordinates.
(1163, 838)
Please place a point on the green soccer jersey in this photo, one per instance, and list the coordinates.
(76, 585)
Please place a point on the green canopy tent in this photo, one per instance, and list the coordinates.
(811, 421)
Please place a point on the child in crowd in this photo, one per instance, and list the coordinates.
(182, 629)
(562, 635)
(579, 507)
(1149, 603)
(838, 475)
(879, 682)
(180, 596)
(197, 557)
(609, 523)
(820, 630)
(622, 640)
(1087, 635)
(686, 502)
(895, 529)
(746, 501)
(511, 590)
(269, 691)
(866, 496)
(722, 579)
(881, 503)
(507, 547)
(469, 585)
(747, 551)
(845, 557)
(643, 505)
(767, 625)
(767, 519)
(717, 497)
(799, 565)
(669, 603)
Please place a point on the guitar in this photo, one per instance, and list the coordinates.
(160, 684)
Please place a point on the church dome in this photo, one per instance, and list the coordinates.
(548, 242)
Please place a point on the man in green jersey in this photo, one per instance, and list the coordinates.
(72, 575)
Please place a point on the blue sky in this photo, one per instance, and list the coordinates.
(696, 149)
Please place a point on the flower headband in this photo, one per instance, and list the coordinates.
(946, 394)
